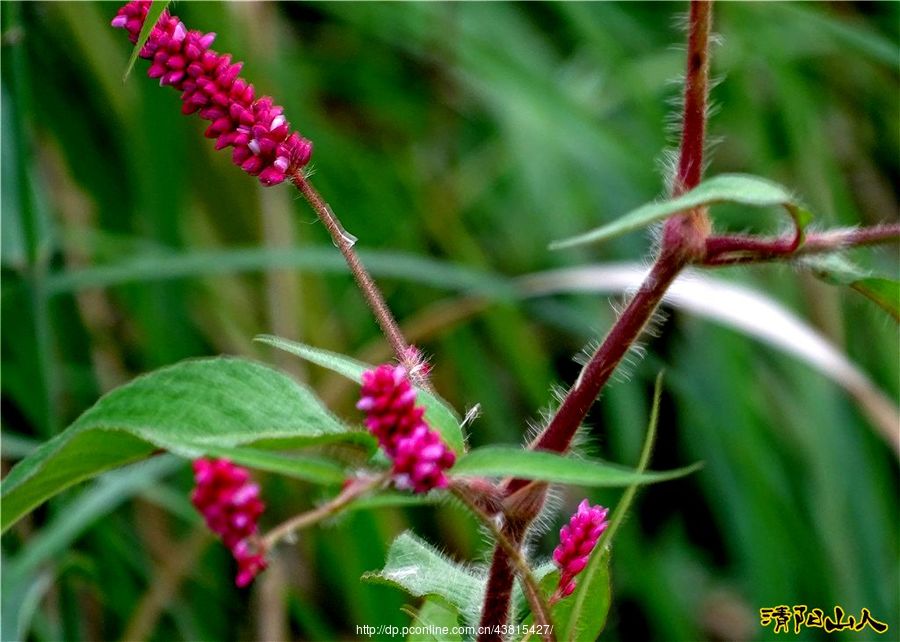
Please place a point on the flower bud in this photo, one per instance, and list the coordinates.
(231, 506)
(576, 541)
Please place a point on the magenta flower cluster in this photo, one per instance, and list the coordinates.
(263, 143)
(576, 541)
(419, 455)
(231, 505)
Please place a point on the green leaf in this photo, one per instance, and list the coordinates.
(508, 461)
(726, 188)
(582, 615)
(421, 571)
(435, 614)
(310, 468)
(156, 10)
(394, 499)
(190, 408)
(22, 586)
(438, 412)
(838, 270)
(96, 501)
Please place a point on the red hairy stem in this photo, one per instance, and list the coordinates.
(540, 608)
(406, 354)
(716, 246)
(684, 239)
(739, 249)
(498, 593)
(558, 434)
(850, 237)
(683, 242)
(696, 89)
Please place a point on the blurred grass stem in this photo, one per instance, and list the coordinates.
(170, 574)
(740, 249)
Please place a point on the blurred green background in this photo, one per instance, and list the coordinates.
(456, 141)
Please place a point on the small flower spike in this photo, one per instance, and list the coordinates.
(419, 455)
(263, 143)
(230, 504)
(576, 541)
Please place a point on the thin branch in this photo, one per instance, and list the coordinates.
(851, 237)
(370, 291)
(353, 491)
(169, 574)
(539, 608)
(743, 249)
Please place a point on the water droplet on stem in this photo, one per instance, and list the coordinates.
(348, 239)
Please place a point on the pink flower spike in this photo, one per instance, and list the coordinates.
(231, 506)
(577, 540)
(419, 455)
(209, 83)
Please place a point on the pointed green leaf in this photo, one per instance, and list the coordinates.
(310, 468)
(438, 412)
(420, 570)
(190, 408)
(156, 10)
(101, 498)
(393, 499)
(726, 188)
(838, 270)
(508, 461)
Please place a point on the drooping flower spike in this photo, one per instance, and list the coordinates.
(256, 128)
(576, 541)
(419, 455)
(231, 506)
